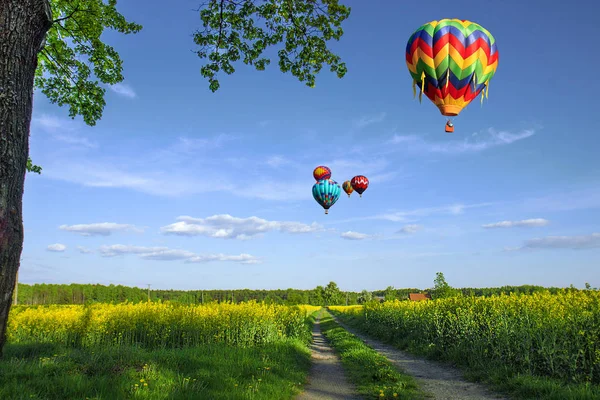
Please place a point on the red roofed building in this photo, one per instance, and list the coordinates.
(419, 296)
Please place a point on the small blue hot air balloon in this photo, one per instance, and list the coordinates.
(326, 192)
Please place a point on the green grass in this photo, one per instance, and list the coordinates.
(275, 371)
(498, 377)
(373, 375)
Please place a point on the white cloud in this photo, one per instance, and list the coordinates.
(172, 171)
(226, 226)
(81, 141)
(368, 120)
(509, 249)
(52, 123)
(534, 222)
(100, 229)
(410, 229)
(277, 161)
(84, 250)
(265, 190)
(123, 89)
(166, 254)
(586, 196)
(191, 145)
(451, 209)
(410, 215)
(343, 169)
(350, 235)
(63, 130)
(57, 247)
(564, 242)
(109, 175)
(120, 249)
(476, 142)
(242, 258)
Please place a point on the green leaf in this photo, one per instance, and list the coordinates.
(75, 61)
(235, 30)
(33, 168)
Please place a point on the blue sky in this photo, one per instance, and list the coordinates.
(182, 188)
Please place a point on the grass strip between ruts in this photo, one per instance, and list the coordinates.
(373, 375)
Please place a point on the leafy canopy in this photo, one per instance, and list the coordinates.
(244, 29)
(74, 61)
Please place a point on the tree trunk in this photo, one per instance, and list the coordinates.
(23, 26)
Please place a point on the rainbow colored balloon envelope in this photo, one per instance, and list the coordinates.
(452, 61)
(326, 192)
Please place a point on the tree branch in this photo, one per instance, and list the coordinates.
(71, 15)
(220, 26)
(67, 17)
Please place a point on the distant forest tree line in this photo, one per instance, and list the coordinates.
(321, 295)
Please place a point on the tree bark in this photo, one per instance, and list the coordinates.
(23, 26)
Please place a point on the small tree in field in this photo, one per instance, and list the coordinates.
(441, 288)
(365, 296)
(389, 293)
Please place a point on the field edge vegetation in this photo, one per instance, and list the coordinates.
(228, 368)
(499, 377)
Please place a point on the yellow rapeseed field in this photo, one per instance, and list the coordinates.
(157, 324)
(543, 334)
(347, 309)
(308, 309)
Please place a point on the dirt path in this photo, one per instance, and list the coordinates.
(442, 382)
(326, 380)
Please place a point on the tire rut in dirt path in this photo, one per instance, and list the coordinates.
(326, 380)
(441, 381)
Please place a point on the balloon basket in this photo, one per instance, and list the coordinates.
(326, 211)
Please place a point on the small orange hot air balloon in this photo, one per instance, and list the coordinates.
(347, 186)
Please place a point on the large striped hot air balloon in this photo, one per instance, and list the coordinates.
(451, 61)
(326, 192)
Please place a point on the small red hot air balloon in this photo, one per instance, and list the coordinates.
(359, 183)
(321, 172)
(347, 186)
